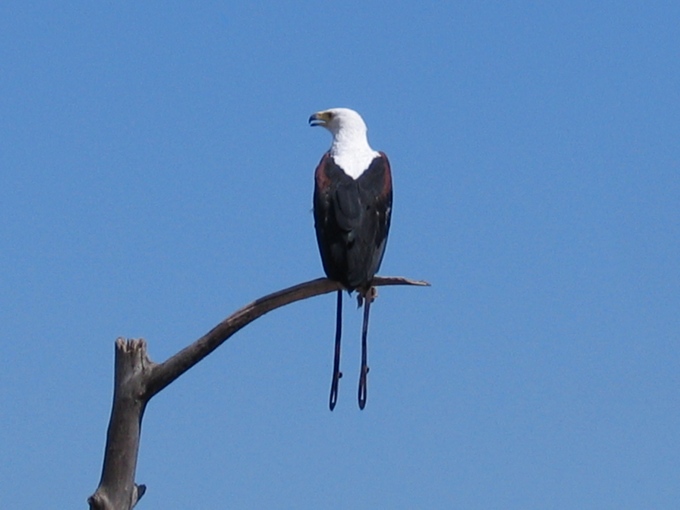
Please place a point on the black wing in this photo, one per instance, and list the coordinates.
(352, 220)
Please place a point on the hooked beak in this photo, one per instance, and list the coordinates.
(318, 119)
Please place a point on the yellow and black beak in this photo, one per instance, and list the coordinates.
(319, 119)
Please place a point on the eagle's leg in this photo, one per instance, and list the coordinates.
(336, 361)
(363, 390)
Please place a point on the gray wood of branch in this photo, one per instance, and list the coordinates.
(137, 379)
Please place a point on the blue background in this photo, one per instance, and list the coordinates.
(156, 175)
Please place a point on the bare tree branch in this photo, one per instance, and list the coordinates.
(137, 379)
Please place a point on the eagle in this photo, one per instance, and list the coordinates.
(352, 212)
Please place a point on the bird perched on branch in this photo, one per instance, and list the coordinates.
(352, 210)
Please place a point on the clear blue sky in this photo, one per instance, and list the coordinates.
(156, 174)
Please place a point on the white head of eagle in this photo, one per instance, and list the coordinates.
(349, 148)
(352, 211)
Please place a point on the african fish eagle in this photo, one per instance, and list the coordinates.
(352, 210)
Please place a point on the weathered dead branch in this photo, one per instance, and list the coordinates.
(137, 379)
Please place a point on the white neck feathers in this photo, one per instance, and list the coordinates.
(351, 152)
